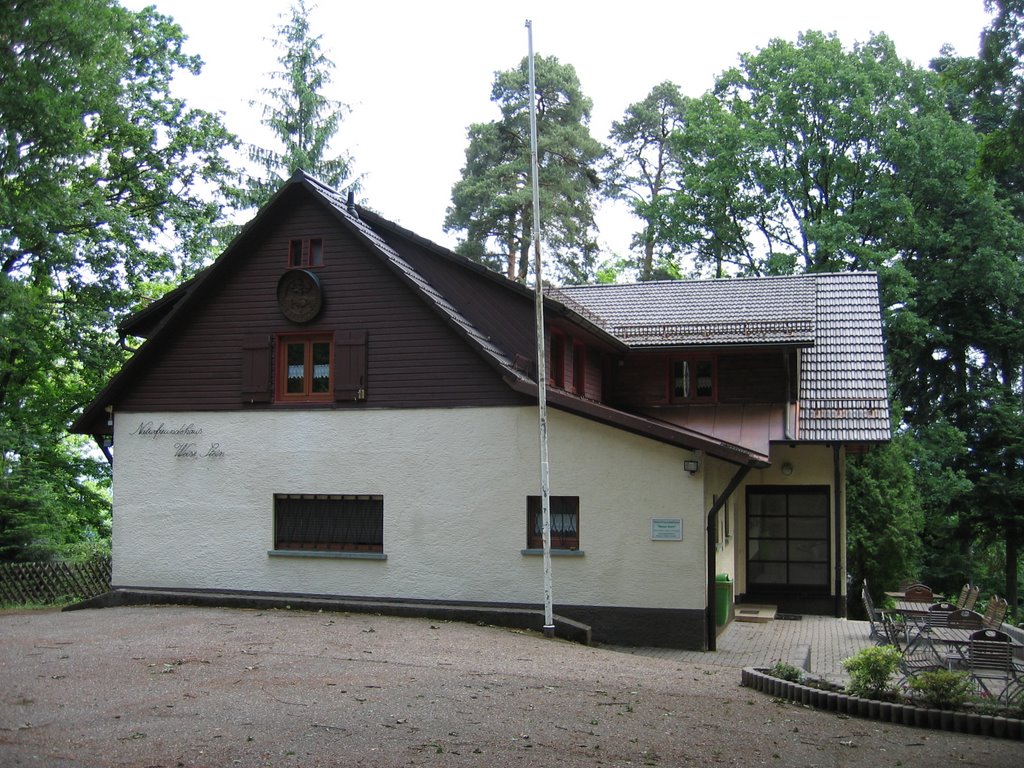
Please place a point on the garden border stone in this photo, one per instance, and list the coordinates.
(997, 726)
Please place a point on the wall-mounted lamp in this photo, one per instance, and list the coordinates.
(786, 468)
(691, 466)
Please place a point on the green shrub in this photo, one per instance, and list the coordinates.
(871, 670)
(785, 671)
(942, 688)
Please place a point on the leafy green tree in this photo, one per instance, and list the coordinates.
(784, 164)
(492, 202)
(643, 171)
(961, 359)
(99, 167)
(301, 117)
(811, 157)
(884, 517)
(998, 89)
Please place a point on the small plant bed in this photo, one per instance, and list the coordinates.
(939, 699)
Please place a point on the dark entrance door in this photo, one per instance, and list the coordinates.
(788, 540)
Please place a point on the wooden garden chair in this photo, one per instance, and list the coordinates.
(972, 598)
(995, 612)
(962, 597)
(991, 664)
(919, 627)
(965, 618)
(881, 620)
(876, 617)
(919, 593)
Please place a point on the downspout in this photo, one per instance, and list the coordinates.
(787, 416)
(101, 441)
(837, 493)
(709, 537)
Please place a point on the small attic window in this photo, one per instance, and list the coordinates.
(693, 379)
(306, 253)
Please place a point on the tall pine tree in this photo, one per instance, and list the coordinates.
(300, 116)
(491, 203)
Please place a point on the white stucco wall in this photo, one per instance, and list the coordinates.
(454, 483)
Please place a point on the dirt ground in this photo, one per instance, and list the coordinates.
(180, 686)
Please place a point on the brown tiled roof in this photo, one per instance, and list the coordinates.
(843, 390)
(834, 318)
(772, 310)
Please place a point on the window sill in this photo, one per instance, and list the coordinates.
(323, 553)
(554, 552)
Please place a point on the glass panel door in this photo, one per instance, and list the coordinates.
(788, 539)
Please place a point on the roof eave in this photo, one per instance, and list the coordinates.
(654, 429)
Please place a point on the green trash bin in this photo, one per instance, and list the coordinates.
(723, 598)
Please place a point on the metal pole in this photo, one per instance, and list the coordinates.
(542, 368)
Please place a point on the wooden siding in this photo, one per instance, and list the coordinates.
(752, 377)
(413, 357)
(503, 314)
(641, 380)
(744, 377)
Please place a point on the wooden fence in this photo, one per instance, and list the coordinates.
(22, 583)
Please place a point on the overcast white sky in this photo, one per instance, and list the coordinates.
(416, 74)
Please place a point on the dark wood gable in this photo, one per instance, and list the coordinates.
(390, 347)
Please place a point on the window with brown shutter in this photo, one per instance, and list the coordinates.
(579, 369)
(350, 365)
(556, 374)
(256, 380)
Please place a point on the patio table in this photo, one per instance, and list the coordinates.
(911, 607)
(919, 619)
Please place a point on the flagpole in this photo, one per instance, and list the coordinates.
(542, 368)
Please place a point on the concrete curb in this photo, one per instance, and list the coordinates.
(515, 618)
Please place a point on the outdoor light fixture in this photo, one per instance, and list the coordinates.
(691, 465)
(787, 468)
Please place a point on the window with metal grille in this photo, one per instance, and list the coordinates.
(565, 522)
(332, 522)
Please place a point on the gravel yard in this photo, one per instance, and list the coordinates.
(184, 686)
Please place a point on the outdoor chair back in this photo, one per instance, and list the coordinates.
(962, 597)
(995, 612)
(972, 598)
(876, 631)
(939, 613)
(990, 661)
(919, 593)
(965, 619)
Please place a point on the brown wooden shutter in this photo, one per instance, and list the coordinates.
(256, 386)
(350, 365)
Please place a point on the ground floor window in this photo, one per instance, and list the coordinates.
(345, 523)
(788, 538)
(565, 522)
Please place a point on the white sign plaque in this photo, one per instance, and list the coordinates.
(666, 529)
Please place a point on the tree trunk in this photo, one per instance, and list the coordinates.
(647, 269)
(1012, 568)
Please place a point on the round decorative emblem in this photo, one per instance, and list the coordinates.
(299, 295)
